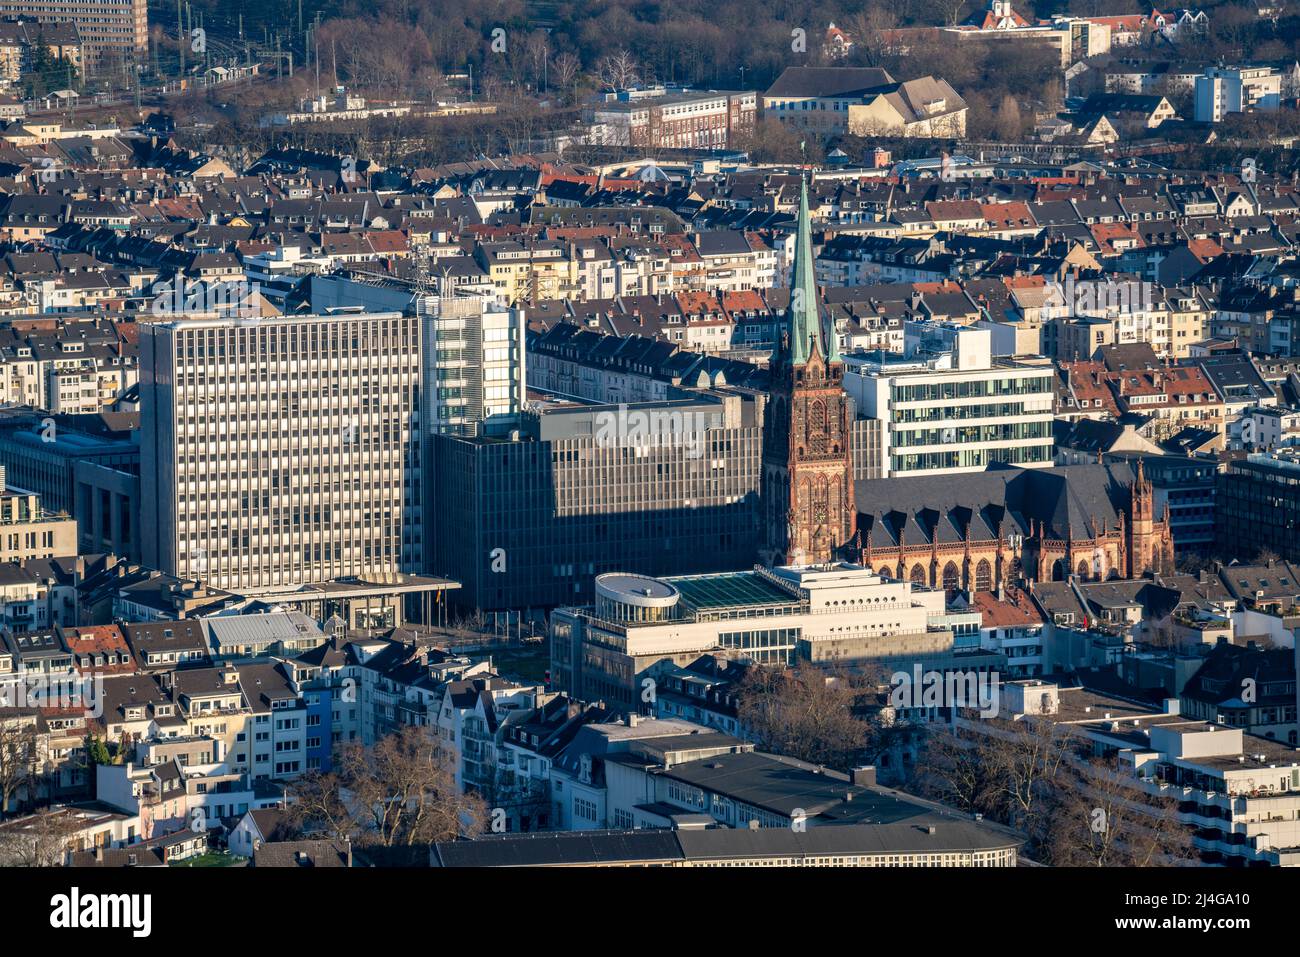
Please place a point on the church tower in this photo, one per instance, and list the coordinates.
(807, 484)
(1150, 543)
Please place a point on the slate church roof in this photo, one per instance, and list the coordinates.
(1078, 501)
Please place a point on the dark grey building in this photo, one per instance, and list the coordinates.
(1257, 507)
(1186, 484)
(657, 488)
(85, 465)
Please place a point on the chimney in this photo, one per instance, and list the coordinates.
(865, 776)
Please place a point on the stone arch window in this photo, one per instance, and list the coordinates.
(817, 427)
(1082, 570)
(917, 575)
(951, 577)
(983, 575)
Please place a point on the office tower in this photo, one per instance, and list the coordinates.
(280, 451)
(949, 406)
(1257, 506)
(651, 487)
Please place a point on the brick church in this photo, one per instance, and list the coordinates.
(973, 531)
(979, 531)
(807, 481)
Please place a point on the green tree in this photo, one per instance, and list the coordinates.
(47, 72)
(97, 751)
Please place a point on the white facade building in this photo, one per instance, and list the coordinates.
(280, 451)
(948, 406)
(474, 365)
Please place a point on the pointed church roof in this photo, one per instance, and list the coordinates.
(803, 320)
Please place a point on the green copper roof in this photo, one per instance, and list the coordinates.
(803, 316)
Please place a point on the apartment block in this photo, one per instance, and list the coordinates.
(107, 27)
(20, 39)
(1224, 90)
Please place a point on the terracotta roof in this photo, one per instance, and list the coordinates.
(1012, 611)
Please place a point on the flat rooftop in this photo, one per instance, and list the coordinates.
(730, 590)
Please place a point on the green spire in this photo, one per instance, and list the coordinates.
(803, 316)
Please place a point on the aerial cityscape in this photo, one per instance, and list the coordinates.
(625, 434)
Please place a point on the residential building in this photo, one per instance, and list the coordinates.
(28, 531)
(108, 28)
(1235, 89)
(19, 40)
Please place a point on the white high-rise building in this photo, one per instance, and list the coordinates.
(281, 451)
(474, 368)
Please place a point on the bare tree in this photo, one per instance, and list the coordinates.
(399, 791)
(42, 840)
(1010, 125)
(948, 11)
(953, 771)
(1040, 778)
(565, 70)
(537, 51)
(618, 71)
(806, 714)
(870, 30)
(18, 756)
(1099, 819)
(1024, 758)
(317, 806)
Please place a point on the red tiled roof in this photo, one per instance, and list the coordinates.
(1015, 610)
